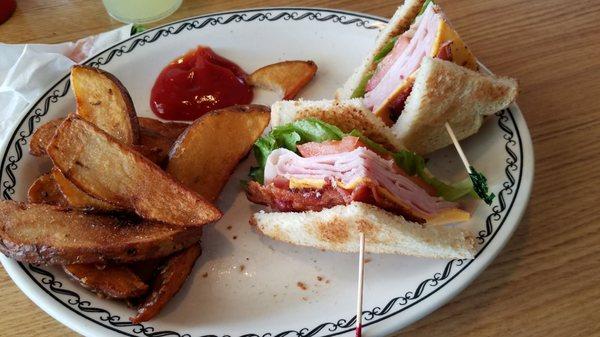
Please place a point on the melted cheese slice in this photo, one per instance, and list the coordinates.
(307, 183)
(461, 55)
(319, 183)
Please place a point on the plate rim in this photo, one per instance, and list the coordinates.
(523, 143)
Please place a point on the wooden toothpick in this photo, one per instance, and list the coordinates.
(458, 148)
(359, 297)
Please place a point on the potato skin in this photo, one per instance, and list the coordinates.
(50, 235)
(288, 77)
(41, 137)
(111, 281)
(172, 276)
(105, 102)
(45, 190)
(206, 154)
(108, 170)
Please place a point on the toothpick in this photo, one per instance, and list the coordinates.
(458, 148)
(359, 297)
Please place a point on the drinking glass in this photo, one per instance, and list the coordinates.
(140, 11)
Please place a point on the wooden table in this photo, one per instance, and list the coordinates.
(546, 281)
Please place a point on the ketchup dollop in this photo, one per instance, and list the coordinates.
(196, 83)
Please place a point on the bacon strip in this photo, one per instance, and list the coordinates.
(300, 200)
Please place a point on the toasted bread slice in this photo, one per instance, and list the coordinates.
(41, 137)
(46, 234)
(240, 125)
(78, 199)
(106, 169)
(171, 278)
(446, 92)
(104, 101)
(338, 228)
(110, 281)
(346, 114)
(288, 77)
(45, 190)
(398, 24)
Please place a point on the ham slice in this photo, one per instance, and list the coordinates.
(348, 168)
(388, 61)
(405, 59)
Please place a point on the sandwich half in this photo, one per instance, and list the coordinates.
(386, 79)
(324, 186)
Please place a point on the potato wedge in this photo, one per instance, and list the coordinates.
(157, 138)
(78, 199)
(208, 151)
(107, 280)
(288, 77)
(147, 270)
(167, 284)
(41, 137)
(45, 190)
(156, 128)
(46, 234)
(106, 169)
(103, 101)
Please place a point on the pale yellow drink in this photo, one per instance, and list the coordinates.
(140, 11)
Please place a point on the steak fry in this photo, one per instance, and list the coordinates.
(168, 283)
(78, 199)
(104, 168)
(156, 138)
(202, 160)
(103, 101)
(107, 281)
(41, 137)
(45, 190)
(288, 77)
(46, 234)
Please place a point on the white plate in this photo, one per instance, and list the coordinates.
(262, 298)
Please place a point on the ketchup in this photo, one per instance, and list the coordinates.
(196, 83)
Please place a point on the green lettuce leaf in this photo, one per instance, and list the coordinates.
(288, 136)
(313, 130)
(359, 91)
(413, 164)
(424, 7)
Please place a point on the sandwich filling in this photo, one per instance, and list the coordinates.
(385, 89)
(339, 172)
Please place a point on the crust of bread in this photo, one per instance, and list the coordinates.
(337, 229)
(446, 92)
(398, 24)
(346, 114)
